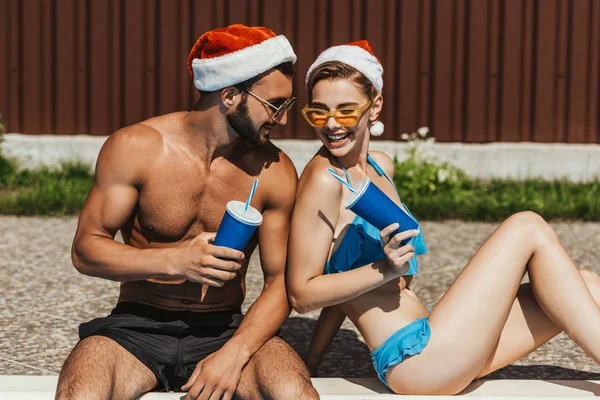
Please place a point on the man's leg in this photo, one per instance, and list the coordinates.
(99, 368)
(275, 372)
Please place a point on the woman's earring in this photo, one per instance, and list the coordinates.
(376, 128)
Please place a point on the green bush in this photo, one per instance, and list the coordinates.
(434, 190)
(45, 191)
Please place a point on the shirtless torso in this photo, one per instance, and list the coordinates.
(203, 187)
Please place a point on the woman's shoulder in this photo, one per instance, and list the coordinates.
(316, 179)
(384, 161)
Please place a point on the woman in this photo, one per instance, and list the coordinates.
(339, 262)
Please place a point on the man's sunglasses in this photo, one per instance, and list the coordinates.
(278, 112)
(345, 116)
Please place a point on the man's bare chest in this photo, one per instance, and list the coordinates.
(181, 204)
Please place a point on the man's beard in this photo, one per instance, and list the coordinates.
(240, 121)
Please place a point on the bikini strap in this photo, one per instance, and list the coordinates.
(345, 172)
(378, 169)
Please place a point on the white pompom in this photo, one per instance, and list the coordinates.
(376, 128)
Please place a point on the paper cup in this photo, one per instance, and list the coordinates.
(375, 207)
(238, 225)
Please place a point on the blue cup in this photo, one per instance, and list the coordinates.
(237, 226)
(375, 207)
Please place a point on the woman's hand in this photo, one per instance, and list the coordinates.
(397, 255)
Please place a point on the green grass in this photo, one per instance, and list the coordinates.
(43, 191)
(495, 200)
(432, 190)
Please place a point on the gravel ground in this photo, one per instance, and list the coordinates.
(43, 299)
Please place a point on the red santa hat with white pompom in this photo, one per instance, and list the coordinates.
(360, 56)
(227, 56)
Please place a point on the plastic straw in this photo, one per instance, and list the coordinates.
(251, 194)
(342, 180)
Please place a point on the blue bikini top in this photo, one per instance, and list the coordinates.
(361, 244)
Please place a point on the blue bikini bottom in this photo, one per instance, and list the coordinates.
(408, 341)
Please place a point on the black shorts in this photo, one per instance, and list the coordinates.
(169, 343)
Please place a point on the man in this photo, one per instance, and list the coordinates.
(164, 184)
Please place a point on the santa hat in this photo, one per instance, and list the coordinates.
(360, 56)
(227, 56)
(356, 54)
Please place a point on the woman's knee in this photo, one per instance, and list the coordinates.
(592, 281)
(530, 225)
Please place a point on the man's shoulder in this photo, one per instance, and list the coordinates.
(277, 162)
(140, 137)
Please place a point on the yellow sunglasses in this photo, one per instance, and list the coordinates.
(345, 116)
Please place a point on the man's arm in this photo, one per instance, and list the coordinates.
(221, 371)
(120, 169)
(271, 308)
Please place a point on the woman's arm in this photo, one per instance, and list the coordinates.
(313, 225)
(328, 325)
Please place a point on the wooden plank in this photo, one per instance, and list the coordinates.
(47, 72)
(255, 13)
(375, 34)
(295, 127)
(358, 15)
(167, 56)
(99, 68)
(82, 77)
(133, 62)
(237, 12)
(66, 93)
(307, 52)
(203, 12)
(389, 58)
(477, 76)
(593, 123)
(271, 15)
(512, 74)
(443, 73)
(460, 69)
(425, 66)
(116, 93)
(561, 105)
(185, 98)
(220, 13)
(338, 23)
(31, 84)
(527, 70)
(545, 72)
(578, 72)
(494, 73)
(5, 61)
(322, 26)
(408, 66)
(150, 106)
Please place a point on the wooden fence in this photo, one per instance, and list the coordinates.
(471, 70)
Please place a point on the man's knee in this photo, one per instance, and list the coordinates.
(282, 373)
(100, 368)
(297, 389)
(83, 373)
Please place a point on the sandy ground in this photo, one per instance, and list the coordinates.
(43, 299)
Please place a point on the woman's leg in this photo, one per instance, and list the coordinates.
(528, 326)
(467, 323)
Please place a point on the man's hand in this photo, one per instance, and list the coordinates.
(217, 376)
(208, 264)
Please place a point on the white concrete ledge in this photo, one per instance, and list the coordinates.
(576, 162)
(43, 387)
